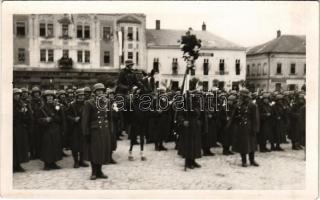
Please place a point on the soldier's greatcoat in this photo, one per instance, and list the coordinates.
(189, 144)
(77, 139)
(21, 118)
(279, 123)
(96, 126)
(51, 143)
(267, 123)
(36, 104)
(245, 119)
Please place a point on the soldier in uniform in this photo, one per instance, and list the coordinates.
(114, 118)
(96, 129)
(21, 117)
(66, 136)
(279, 115)
(126, 82)
(36, 104)
(295, 116)
(190, 139)
(245, 119)
(228, 131)
(266, 121)
(70, 95)
(74, 114)
(87, 93)
(50, 117)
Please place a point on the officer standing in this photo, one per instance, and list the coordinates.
(36, 104)
(50, 117)
(74, 116)
(245, 119)
(266, 121)
(96, 129)
(21, 117)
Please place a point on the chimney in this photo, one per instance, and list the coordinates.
(204, 27)
(157, 24)
(278, 33)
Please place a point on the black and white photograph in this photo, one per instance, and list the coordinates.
(136, 99)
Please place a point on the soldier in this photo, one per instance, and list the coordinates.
(245, 118)
(74, 113)
(228, 131)
(295, 116)
(96, 129)
(21, 117)
(36, 104)
(209, 128)
(50, 117)
(87, 93)
(126, 82)
(159, 123)
(279, 123)
(190, 139)
(302, 119)
(266, 121)
(70, 95)
(66, 136)
(115, 120)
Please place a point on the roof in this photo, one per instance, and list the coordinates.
(284, 44)
(165, 38)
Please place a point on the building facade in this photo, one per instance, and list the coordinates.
(221, 63)
(279, 64)
(58, 50)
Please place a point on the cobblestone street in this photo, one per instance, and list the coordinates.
(164, 170)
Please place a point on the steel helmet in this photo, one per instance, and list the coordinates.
(17, 90)
(98, 86)
(35, 89)
(48, 93)
(79, 91)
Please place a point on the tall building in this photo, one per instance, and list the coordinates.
(221, 63)
(58, 50)
(279, 64)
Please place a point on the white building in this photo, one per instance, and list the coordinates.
(279, 64)
(97, 44)
(221, 63)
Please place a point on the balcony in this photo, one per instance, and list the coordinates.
(65, 63)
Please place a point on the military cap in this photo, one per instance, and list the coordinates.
(244, 92)
(286, 93)
(98, 86)
(128, 62)
(233, 92)
(232, 97)
(279, 96)
(80, 91)
(35, 89)
(60, 92)
(214, 89)
(70, 90)
(223, 94)
(87, 89)
(24, 89)
(16, 90)
(48, 93)
(266, 95)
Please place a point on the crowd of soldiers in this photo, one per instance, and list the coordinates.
(46, 123)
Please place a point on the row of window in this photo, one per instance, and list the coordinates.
(222, 71)
(83, 56)
(252, 71)
(82, 30)
(205, 85)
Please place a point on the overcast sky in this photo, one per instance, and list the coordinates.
(246, 23)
